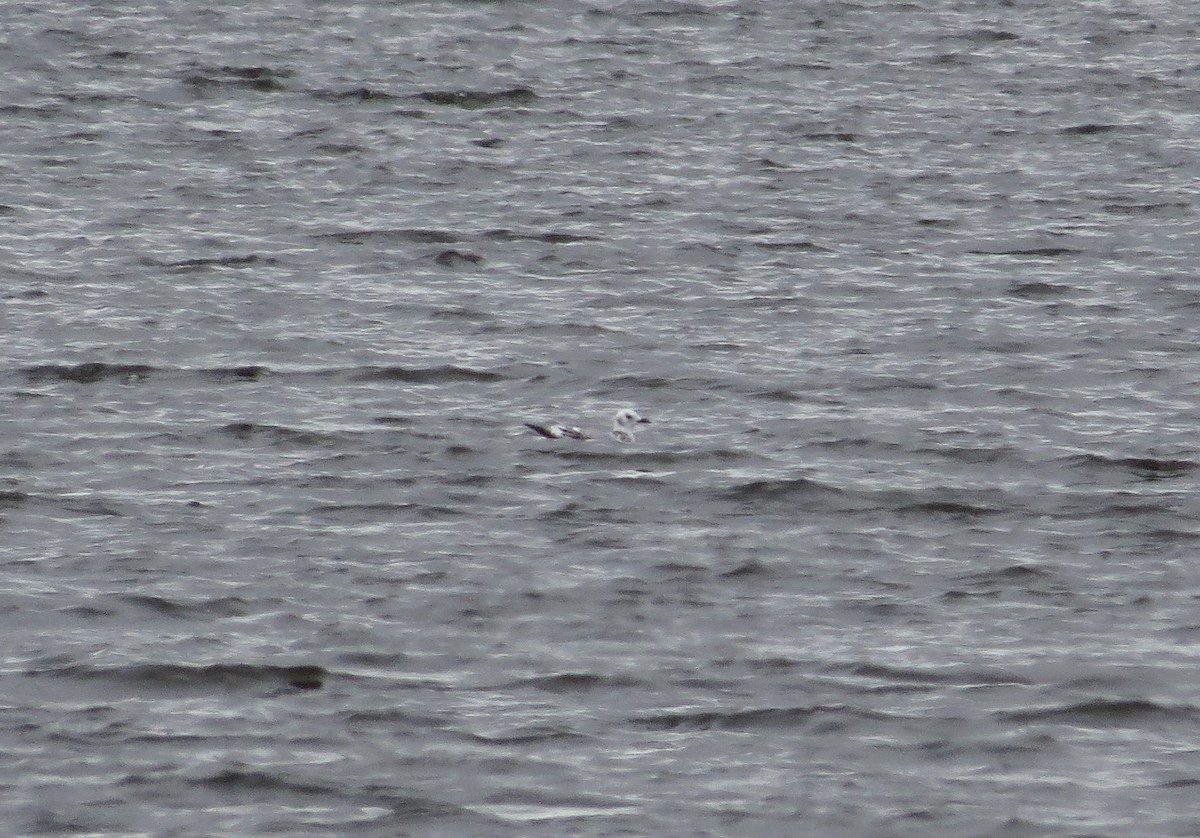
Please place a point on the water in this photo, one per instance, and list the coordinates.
(907, 290)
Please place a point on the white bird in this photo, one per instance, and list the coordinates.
(622, 427)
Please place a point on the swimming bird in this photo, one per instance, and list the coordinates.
(622, 427)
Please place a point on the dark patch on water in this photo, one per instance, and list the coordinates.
(444, 374)
(1106, 713)
(89, 372)
(475, 99)
(457, 259)
(179, 678)
(771, 718)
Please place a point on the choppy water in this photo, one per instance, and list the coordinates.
(908, 290)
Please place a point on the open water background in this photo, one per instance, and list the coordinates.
(909, 291)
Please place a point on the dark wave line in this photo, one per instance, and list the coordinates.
(213, 676)
(750, 719)
(278, 435)
(231, 606)
(955, 509)
(476, 99)
(1148, 468)
(12, 498)
(533, 735)
(1089, 129)
(256, 78)
(1039, 290)
(94, 372)
(445, 373)
(353, 94)
(87, 373)
(502, 234)
(1030, 251)
(200, 263)
(779, 489)
(404, 234)
(1007, 575)
(91, 372)
(398, 812)
(957, 675)
(374, 511)
(416, 235)
(576, 682)
(1106, 713)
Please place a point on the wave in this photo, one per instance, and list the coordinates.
(477, 99)
(88, 372)
(442, 374)
(1147, 468)
(92, 372)
(755, 718)
(779, 489)
(181, 677)
(952, 675)
(1102, 712)
(257, 78)
(230, 606)
(278, 435)
(576, 682)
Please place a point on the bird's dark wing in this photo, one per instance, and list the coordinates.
(539, 429)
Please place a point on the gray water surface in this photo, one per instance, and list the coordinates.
(908, 291)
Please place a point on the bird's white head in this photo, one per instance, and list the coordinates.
(624, 421)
